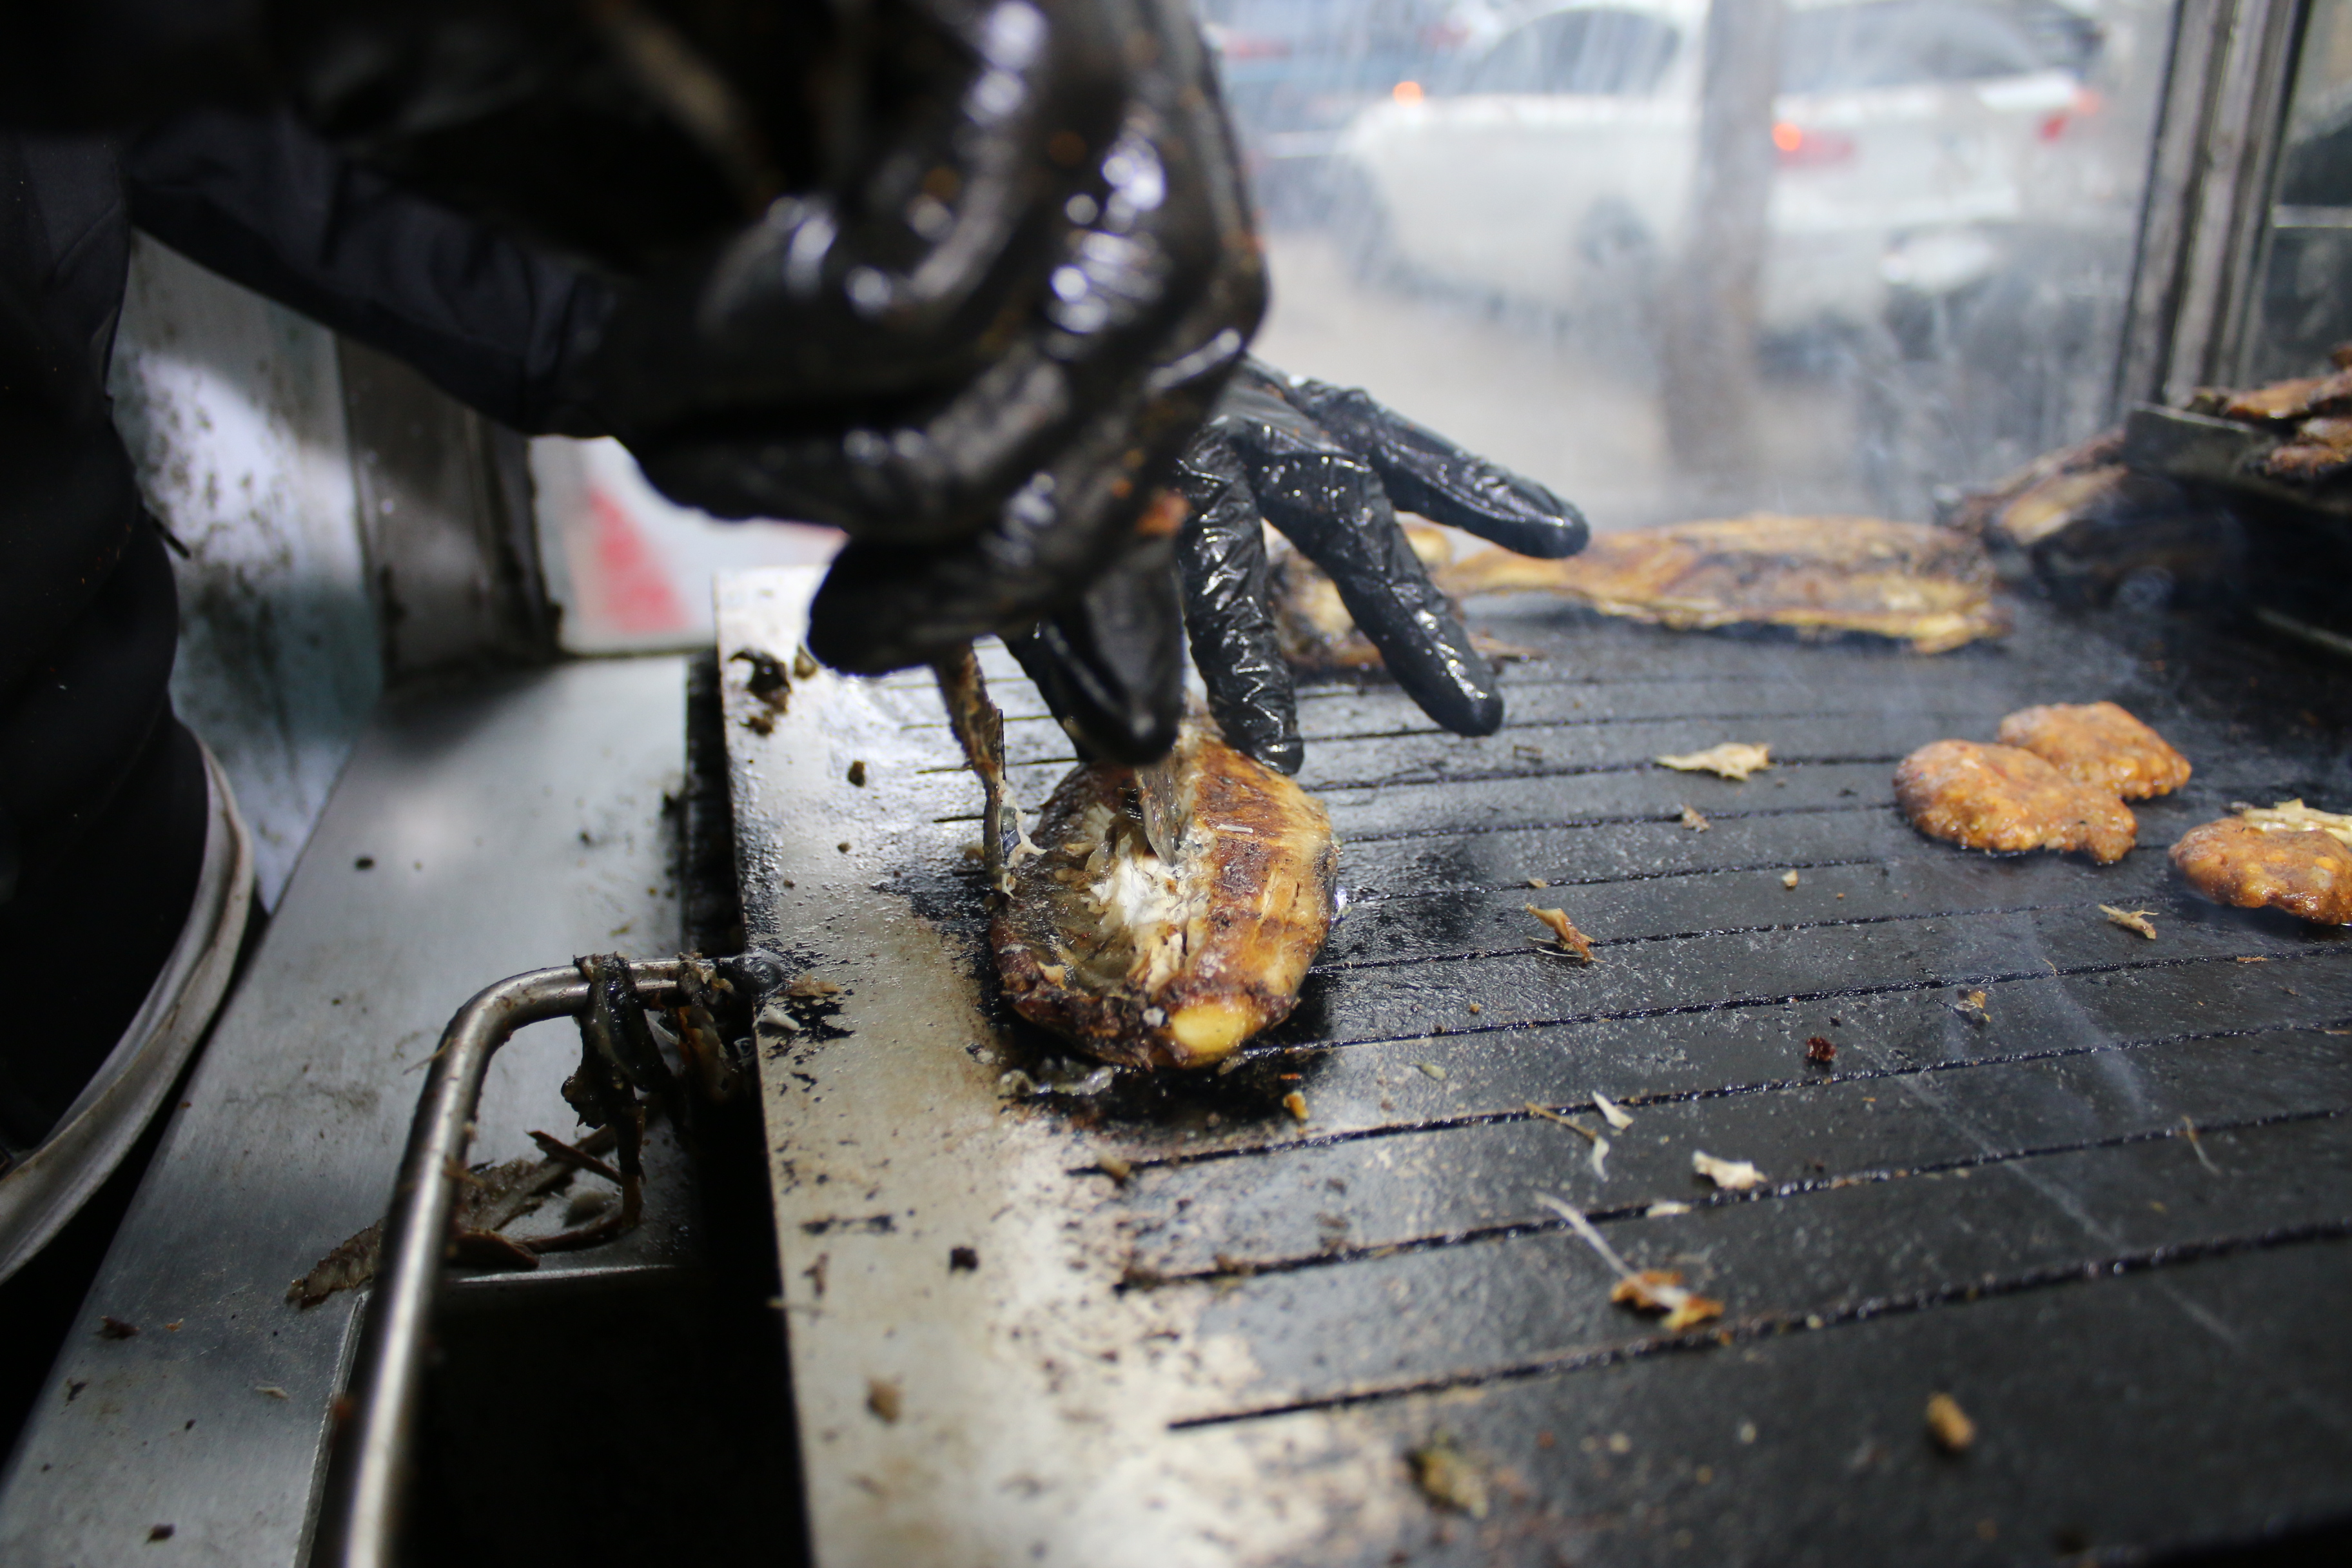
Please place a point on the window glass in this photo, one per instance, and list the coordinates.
(1901, 43)
(1599, 52)
(1937, 294)
(2304, 309)
(1940, 278)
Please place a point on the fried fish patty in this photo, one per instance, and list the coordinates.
(2004, 800)
(2302, 871)
(2099, 744)
(1812, 574)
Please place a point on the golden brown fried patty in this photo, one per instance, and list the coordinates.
(2305, 872)
(2099, 744)
(2004, 800)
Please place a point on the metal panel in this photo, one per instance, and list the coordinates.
(1227, 1356)
(505, 828)
(2203, 225)
(232, 411)
(445, 506)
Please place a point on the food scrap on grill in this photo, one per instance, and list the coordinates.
(1731, 1175)
(1949, 1426)
(1571, 941)
(1733, 759)
(979, 728)
(1927, 585)
(2130, 920)
(1644, 1289)
(2289, 816)
(1599, 1159)
(1448, 1477)
(2286, 856)
(1174, 908)
(2098, 744)
(1661, 1291)
(2005, 801)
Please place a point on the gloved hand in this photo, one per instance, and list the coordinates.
(989, 431)
(1326, 466)
(960, 276)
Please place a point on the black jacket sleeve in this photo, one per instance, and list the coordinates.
(259, 199)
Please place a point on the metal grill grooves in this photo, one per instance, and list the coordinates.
(2099, 1216)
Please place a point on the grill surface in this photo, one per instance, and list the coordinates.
(2110, 1219)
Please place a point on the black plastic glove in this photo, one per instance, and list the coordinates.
(960, 276)
(1328, 466)
(988, 498)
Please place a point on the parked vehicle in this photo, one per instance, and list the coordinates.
(1295, 71)
(1914, 139)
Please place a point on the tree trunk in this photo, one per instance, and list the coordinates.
(1709, 385)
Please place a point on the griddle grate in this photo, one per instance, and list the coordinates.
(2104, 1217)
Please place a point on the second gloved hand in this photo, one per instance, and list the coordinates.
(1328, 467)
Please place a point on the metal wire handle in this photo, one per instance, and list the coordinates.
(367, 1480)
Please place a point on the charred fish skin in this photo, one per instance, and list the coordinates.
(1169, 956)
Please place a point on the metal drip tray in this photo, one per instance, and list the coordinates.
(2107, 1214)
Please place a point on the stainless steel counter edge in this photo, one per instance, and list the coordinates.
(473, 836)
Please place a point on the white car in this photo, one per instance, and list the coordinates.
(1555, 165)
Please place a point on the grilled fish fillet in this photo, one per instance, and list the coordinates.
(1932, 586)
(1173, 910)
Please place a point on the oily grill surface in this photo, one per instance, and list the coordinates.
(2108, 1211)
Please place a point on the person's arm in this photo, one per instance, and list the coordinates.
(259, 199)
